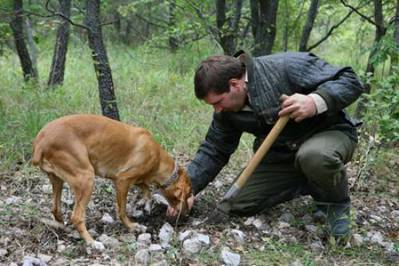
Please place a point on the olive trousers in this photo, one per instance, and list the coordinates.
(318, 169)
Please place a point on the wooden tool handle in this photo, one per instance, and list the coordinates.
(263, 149)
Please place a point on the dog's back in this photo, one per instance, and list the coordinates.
(91, 141)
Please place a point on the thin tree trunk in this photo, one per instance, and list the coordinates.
(286, 25)
(379, 33)
(61, 47)
(307, 29)
(173, 43)
(33, 49)
(264, 13)
(395, 56)
(100, 60)
(228, 27)
(23, 53)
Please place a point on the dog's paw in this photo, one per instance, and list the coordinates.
(97, 245)
(148, 207)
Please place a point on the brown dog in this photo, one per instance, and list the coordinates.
(76, 148)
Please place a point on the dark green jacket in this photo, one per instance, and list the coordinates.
(268, 78)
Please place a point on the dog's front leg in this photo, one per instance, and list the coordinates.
(122, 188)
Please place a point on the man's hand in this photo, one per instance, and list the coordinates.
(173, 212)
(297, 106)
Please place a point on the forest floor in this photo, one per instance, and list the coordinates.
(285, 235)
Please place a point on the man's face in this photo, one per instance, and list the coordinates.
(232, 101)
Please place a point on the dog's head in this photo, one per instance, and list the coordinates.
(178, 192)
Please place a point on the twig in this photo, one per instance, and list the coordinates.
(330, 31)
(55, 224)
(358, 12)
(54, 13)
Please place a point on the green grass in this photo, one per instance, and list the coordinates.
(153, 89)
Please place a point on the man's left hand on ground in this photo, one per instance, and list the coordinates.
(297, 106)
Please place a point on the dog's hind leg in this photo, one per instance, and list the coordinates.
(83, 187)
(57, 184)
(122, 188)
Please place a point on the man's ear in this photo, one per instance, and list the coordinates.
(234, 83)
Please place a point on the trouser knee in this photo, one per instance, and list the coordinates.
(325, 172)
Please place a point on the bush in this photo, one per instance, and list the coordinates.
(382, 113)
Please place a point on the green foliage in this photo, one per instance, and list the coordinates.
(383, 107)
(385, 48)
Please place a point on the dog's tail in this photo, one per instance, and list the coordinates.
(37, 154)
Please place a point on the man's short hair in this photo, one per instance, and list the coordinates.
(213, 74)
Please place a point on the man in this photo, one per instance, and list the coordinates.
(309, 155)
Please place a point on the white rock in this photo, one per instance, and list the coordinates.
(109, 241)
(13, 200)
(158, 198)
(395, 214)
(47, 189)
(282, 225)
(311, 228)
(249, 221)
(60, 246)
(44, 257)
(287, 217)
(184, 235)
(204, 239)
(259, 224)
(197, 222)
(191, 246)
(93, 232)
(165, 234)
(238, 235)
(375, 218)
(31, 261)
(162, 262)
(218, 184)
(140, 228)
(375, 237)
(97, 245)
(107, 219)
(142, 257)
(229, 258)
(3, 252)
(137, 213)
(316, 246)
(144, 240)
(296, 263)
(357, 240)
(60, 262)
(155, 249)
(389, 246)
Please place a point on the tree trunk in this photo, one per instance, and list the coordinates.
(32, 46)
(286, 25)
(395, 56)
(23, 53)
(173, 43)
(61, 47)
(379, 33)
(307, 29)
(100, 60)
(263, 13)
(228, 27)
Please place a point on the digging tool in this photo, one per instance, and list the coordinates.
(223, 207)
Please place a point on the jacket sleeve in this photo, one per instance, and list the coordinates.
(213, 154)
(339, 87)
